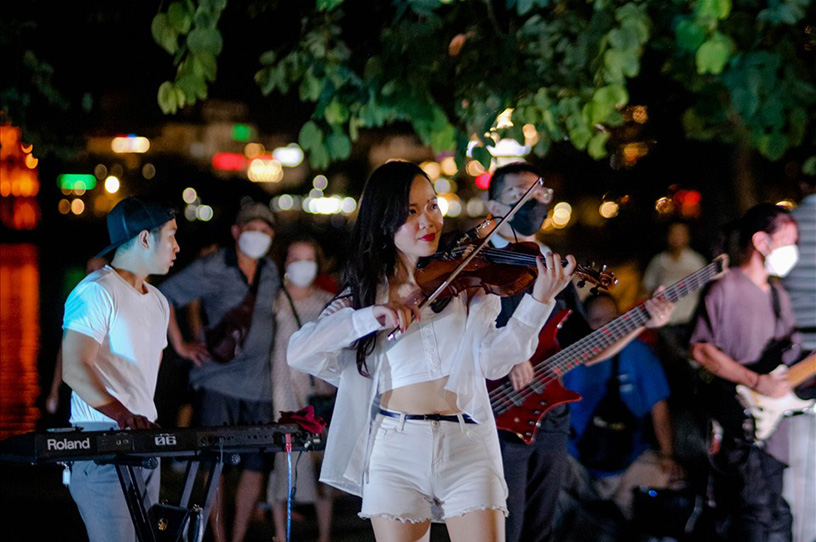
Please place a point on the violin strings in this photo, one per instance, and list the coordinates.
(509, 257)
(504, 397)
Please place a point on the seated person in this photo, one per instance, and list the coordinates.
(640, 385)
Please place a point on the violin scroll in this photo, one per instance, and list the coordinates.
(602, 279)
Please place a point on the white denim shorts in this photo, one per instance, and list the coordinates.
(432, 470)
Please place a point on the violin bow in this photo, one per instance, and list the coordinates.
(441, 288)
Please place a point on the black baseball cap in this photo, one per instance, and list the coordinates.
(131, 216)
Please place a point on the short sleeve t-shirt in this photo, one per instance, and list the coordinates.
(131, 329)
(738, 318)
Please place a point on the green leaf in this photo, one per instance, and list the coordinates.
(268, 58)
(179, 17)
(205, 65)
(327, 5)
(336, 112)
(689, 35)
(524, 6)
(744, 101)
(310, 87)
(482, 155)
(204, 18)
(205, 40)
(319, 156)
(713, 55)
(809, 166)
(271, 78)
(613, 62)
(310, 135)
(167, 98)
(773, 145)
(597, 145)
(798, 125)
(338, 145)
(193, 87)
(624, 38)
(713, 9)
(163, 33)
(443, 139)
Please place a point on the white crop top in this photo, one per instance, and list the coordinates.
(425, 352)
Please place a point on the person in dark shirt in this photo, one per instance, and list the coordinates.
(534, 472)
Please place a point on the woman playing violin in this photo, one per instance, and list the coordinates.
(413, 432)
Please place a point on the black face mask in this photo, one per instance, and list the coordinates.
(529, 218)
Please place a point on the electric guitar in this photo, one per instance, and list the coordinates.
(767, 412)
(521, 411)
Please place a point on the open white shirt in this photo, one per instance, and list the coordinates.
(465, 331)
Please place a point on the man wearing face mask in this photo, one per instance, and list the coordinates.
(741, 318)
(238, 391)
(534, 472)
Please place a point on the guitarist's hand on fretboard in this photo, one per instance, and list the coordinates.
(660, 310)
(773, 385)
(521, 375)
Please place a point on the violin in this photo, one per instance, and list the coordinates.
(471, 261)
(499, 271)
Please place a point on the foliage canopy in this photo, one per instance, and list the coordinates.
(565, 68)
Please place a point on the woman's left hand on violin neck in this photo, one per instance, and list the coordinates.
(552, 276)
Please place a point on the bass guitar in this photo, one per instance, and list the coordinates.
(521, 411)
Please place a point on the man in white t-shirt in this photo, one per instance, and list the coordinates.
(115, 328)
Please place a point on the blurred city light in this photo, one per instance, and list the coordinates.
(130, 143)
(664, 206)
(432, 169)
(320, 182)
(204, 213)
(348, 205)
(77, 206)
(264, 170)
(189, 195)
(561, 215)
(75, 181)
(608, 209)
(241, 132)
(504, 120)
(483, 181)
(229, 161)
(253, 150)
(289, 156)
(448, 165)
(476, 206)
(508, 148)
(284, 202)
(442, 186)
(148, 171)
(112, 184)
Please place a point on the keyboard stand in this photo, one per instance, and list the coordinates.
(161, 522)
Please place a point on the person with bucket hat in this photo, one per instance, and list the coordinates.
(231, 376)
(115, 328)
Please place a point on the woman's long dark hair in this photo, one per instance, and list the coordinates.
(764, 217)
(372, 254)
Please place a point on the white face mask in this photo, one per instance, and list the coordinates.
(302, 272)
(781, 260)
(254, 244)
